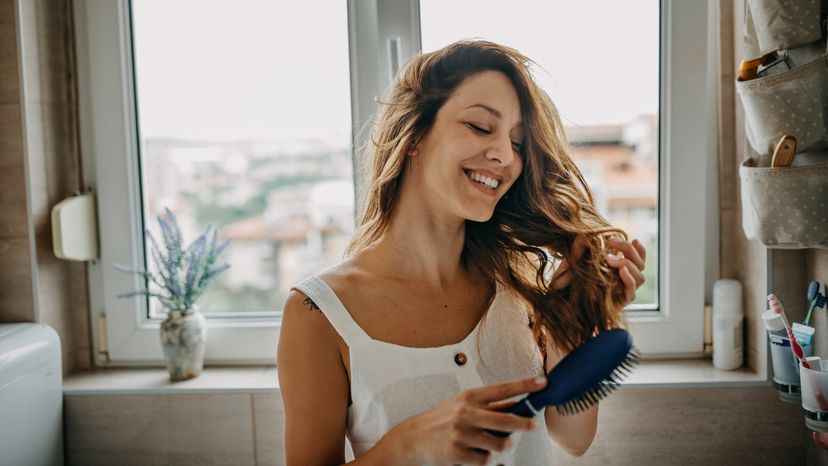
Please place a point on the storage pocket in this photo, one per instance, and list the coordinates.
(785, 207)
(794, 103)
(785, 24)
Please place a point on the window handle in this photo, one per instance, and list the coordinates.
(394, 53)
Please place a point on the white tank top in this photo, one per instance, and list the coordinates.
(391, 383)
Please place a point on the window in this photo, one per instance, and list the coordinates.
(229, 122)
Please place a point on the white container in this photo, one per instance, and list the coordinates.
(815, 394)
(31, 396)
(728, 319)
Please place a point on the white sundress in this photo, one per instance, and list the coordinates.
(391, 383)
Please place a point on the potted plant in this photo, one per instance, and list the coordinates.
(181, 275)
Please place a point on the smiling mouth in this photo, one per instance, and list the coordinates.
(482, 180)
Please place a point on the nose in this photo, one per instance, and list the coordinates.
(501, 151)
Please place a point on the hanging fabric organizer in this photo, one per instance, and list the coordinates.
(787, 206)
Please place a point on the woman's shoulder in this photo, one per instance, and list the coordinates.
(344, 274)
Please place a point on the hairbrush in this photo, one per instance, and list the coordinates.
(585, 376)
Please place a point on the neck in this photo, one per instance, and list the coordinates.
(422, 242)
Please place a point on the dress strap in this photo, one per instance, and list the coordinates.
(333, 309)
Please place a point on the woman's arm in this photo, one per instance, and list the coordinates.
(572, 433)
(313, 383)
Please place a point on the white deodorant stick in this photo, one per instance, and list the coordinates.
(728, 318)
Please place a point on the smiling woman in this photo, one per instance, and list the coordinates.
(472, 197)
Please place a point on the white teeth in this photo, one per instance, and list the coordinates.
(483, 179)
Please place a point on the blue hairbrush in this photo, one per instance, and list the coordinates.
(585, 376)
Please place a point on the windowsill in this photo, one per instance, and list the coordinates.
(150, 381)
(226, 380)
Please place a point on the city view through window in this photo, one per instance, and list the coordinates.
(244, 122)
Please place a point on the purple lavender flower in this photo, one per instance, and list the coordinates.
(181, 274)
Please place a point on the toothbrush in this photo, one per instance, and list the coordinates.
(816, 298)
(776, 305)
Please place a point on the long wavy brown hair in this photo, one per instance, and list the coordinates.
(536, 222)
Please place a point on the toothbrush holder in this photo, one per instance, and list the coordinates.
(814, 392)
(786, 373)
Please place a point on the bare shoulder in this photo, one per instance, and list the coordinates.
(343, 273)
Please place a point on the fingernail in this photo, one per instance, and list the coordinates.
(612, 256)
(540, 381)
(534, 425)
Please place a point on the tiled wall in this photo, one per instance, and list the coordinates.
(637, 427)
(200, 430)
(39, 166)
(17, 302)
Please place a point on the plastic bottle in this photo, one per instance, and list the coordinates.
(728, 319)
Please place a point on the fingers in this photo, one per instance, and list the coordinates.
(477, 439)
(633, 251)
(631, 269)
(484, 395)
(471, 456)
(501, 422)
(630, 283)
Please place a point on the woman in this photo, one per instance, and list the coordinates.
(447, 304)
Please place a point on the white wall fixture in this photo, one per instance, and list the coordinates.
(75, 228)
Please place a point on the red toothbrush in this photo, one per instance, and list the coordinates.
(776, 305)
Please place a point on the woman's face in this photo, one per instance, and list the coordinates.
(470, 156)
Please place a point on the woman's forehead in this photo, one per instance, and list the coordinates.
(489, 92)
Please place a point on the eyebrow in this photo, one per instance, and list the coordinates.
(493, 111)
(487, 108)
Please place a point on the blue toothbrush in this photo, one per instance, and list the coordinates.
(585, 376)
(816, 298)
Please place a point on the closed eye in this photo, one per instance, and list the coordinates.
(479, 129)
(517, 146)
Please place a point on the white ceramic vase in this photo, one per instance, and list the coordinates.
(183, 338)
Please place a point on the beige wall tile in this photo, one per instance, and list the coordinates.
(12, 173)
(704, 426)
(45, 41)
(790, 281)
(270, 429)
(9, 81)
(817, 266)
(16, 296)
(182, 430)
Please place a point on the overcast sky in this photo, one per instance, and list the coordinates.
(272, 70)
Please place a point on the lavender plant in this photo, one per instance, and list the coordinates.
(181, 274)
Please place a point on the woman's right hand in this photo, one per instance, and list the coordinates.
(454, 431)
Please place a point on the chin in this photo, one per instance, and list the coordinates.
(479, 217)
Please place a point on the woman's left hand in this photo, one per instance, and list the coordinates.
(629, 267)
(629, 263)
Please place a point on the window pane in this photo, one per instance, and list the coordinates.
(599, 63)
(244, 121)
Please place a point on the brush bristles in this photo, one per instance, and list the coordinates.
(607, 386)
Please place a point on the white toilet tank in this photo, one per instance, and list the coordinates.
(31, 397)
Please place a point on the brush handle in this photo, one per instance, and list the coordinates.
(797, 350)
(810, 310)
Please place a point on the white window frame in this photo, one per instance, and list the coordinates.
(382, 33)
